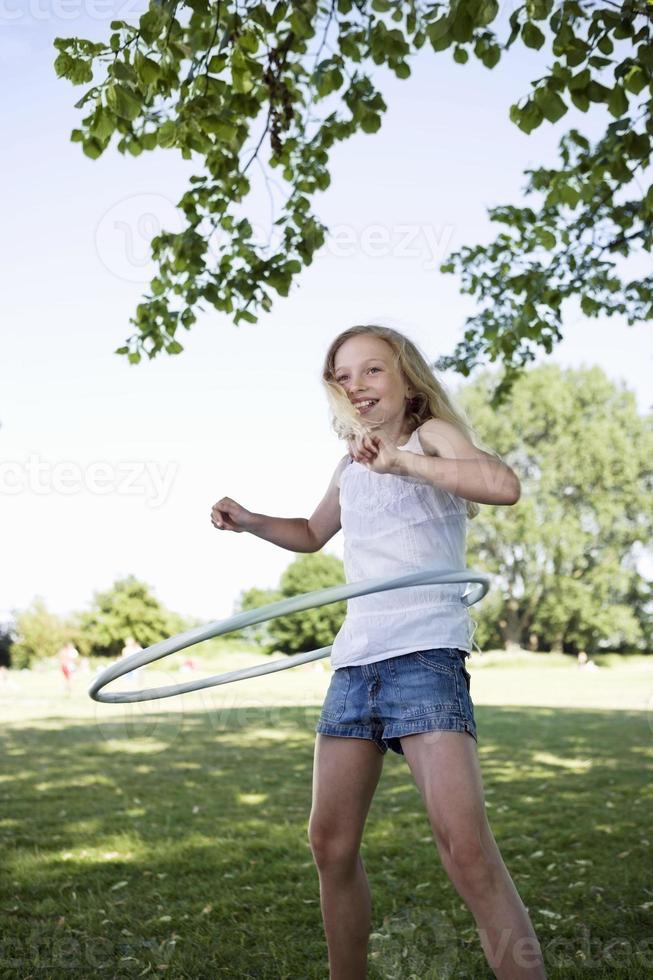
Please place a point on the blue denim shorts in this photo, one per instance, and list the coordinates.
(424, 691)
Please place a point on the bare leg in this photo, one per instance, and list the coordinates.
(447, 772)
(345, 775)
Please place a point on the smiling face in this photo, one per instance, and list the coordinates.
(365, 366)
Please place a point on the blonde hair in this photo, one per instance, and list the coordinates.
(430, 398)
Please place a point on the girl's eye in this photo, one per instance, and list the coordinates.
(344, 376)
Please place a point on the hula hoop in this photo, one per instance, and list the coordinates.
(309, 600)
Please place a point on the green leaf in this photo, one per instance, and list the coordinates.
(241, 80)
(245, 315)
(618, 102)
(92, 148)
(149, 141)
(217, 126)
(148, 70)
(438, 30)
(528, 118)
(167, 133)
(645, 55)
(546, 237)
(648, 200)
(63, 65)
(486, 12)
(217, 63)
(150, 24)
(589, 306)
(532, 35)
(123, 72)
(538, 9)
(127, 105)
(635, 80)
(580, 80)
(462, 28)
(460, 55)
(569, 195)
(492, 56)
(102, 123)
(281, 10)
(605, 45)
(580, 100)
(552, 106)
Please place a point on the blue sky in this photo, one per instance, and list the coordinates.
(111, 469)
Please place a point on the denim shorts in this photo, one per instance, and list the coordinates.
(424, 691)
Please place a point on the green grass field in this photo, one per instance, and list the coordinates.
(169, 838)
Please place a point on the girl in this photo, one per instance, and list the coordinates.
(402, 495)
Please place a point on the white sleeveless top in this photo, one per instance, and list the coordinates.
(394, 525)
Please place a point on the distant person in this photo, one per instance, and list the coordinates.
(585, 662)
(133, 676)
(67, 657)
(6, 680)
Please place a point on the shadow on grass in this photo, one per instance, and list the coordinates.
(177, 844)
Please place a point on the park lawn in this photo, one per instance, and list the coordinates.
(169, 838)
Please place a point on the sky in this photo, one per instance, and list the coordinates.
(109, 469)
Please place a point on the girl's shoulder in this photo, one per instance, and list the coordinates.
(429, 436)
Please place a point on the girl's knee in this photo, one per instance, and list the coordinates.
(472, 867)
(332, 850)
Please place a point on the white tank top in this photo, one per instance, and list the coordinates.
(393, 525)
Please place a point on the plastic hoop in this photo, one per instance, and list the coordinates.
(309, 600)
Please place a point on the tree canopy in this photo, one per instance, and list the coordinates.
(564, 558)
(36, 633)
(300, 631)
(128, 608)
(230, 84)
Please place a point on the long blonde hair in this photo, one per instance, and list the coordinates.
(430, 398)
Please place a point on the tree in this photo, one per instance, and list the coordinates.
(128, 608)
(255, 598)
(300, 631)
(200, 77)
(7, 639)
(564, 557)
(39, 634)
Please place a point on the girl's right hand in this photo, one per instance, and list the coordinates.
(227, 515)
(362, 448)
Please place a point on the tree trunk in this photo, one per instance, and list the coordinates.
(512, 626)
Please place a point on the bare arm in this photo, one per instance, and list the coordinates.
(288, 532)
(325, 520)
(454, 464)
(300, 534)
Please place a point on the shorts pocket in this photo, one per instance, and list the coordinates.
(430, 685)
(439, 660)
(336, 695)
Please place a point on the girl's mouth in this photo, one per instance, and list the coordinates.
(366, 407)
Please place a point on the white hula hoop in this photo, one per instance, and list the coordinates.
(310, 600)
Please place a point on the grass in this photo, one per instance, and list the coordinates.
(170, 838)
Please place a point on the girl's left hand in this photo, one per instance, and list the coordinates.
(376, 453)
